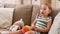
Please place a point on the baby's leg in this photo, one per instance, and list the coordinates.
(10, 32)
(4, 32)
(16, 32)
(29, 32)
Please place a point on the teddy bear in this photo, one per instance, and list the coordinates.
(17, 25)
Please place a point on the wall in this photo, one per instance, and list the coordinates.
(58, 4)
(55, 4)
(45, 1)
(26, 2)
(36, 2)
(39, 2)
(12, 1)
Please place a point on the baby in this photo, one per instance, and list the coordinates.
(43, 21)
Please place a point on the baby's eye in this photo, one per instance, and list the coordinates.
(44, 8)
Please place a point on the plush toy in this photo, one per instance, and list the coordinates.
(17, 25)
(26, 29)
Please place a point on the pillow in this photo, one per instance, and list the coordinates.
(1, 5)
(55, 25)
(6, 15)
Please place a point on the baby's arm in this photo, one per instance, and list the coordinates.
(33, 25)
(15, 32)
(39, 29)
(34, 22)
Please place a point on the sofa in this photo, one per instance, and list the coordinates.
(26, 12)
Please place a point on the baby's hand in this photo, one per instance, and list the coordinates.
(33, 27)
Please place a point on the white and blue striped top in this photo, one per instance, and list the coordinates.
(42, 22)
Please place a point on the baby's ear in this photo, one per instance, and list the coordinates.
(50, 11)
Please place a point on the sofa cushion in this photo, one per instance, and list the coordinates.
(55, 25)
(24, 12)
(36, 9)
(54, 13)
(1, 4)
(58, 30)
(6, 15)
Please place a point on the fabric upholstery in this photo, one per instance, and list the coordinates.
(35, 10)
(55, 26)
(54, 13)
(6, 15)
(24, 12)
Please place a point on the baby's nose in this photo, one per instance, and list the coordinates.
(41, 11)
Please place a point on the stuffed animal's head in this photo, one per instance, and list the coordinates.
(19, 23)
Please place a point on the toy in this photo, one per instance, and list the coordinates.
(26, 28)
(17, 25)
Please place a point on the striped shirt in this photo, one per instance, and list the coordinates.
(42, 22)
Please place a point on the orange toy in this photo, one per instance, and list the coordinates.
(26, 28)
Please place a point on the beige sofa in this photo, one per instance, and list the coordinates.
(26, 12)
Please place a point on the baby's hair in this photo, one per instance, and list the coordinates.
(49, 6)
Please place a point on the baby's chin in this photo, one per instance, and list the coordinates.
(41, 14)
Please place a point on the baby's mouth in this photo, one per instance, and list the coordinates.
(42, 13)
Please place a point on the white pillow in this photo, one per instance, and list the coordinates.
(1, 4)
(6, 15)
(55, 25)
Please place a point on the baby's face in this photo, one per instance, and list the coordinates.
(44, 10)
